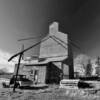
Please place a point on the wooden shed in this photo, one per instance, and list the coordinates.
(51, 70)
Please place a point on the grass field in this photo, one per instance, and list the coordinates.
(51, 93)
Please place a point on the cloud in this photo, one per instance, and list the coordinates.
(4, 64)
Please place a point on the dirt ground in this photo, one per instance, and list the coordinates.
(51, 93)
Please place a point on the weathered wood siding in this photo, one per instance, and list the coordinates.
(29, 72)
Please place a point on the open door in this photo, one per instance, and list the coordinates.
(36, 73)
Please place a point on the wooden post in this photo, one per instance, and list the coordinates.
(70, 57)
(17, 72)
(62, 67)
(23, 53)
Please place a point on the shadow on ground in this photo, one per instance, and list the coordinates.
(33, 87)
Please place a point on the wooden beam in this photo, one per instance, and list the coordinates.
(20, 56)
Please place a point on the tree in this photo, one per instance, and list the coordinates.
(98, 66)
(88, 69)
(80, 63)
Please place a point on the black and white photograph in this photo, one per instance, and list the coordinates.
(49, 49)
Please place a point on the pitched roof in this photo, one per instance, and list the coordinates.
(45, 61)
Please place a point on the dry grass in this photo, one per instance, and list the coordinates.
(51, 93)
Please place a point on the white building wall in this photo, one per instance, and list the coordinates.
(50, 47)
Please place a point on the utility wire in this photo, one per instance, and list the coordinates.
(27, 49)
(53, 37)
(68, 41)
(58, 42)
(74, 44)
(29, 38)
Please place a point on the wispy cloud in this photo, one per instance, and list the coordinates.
(4, 64)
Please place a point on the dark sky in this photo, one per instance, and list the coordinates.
(25, 18)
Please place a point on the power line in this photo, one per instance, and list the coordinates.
(30, 38)
(58, 42)
(27, 49)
